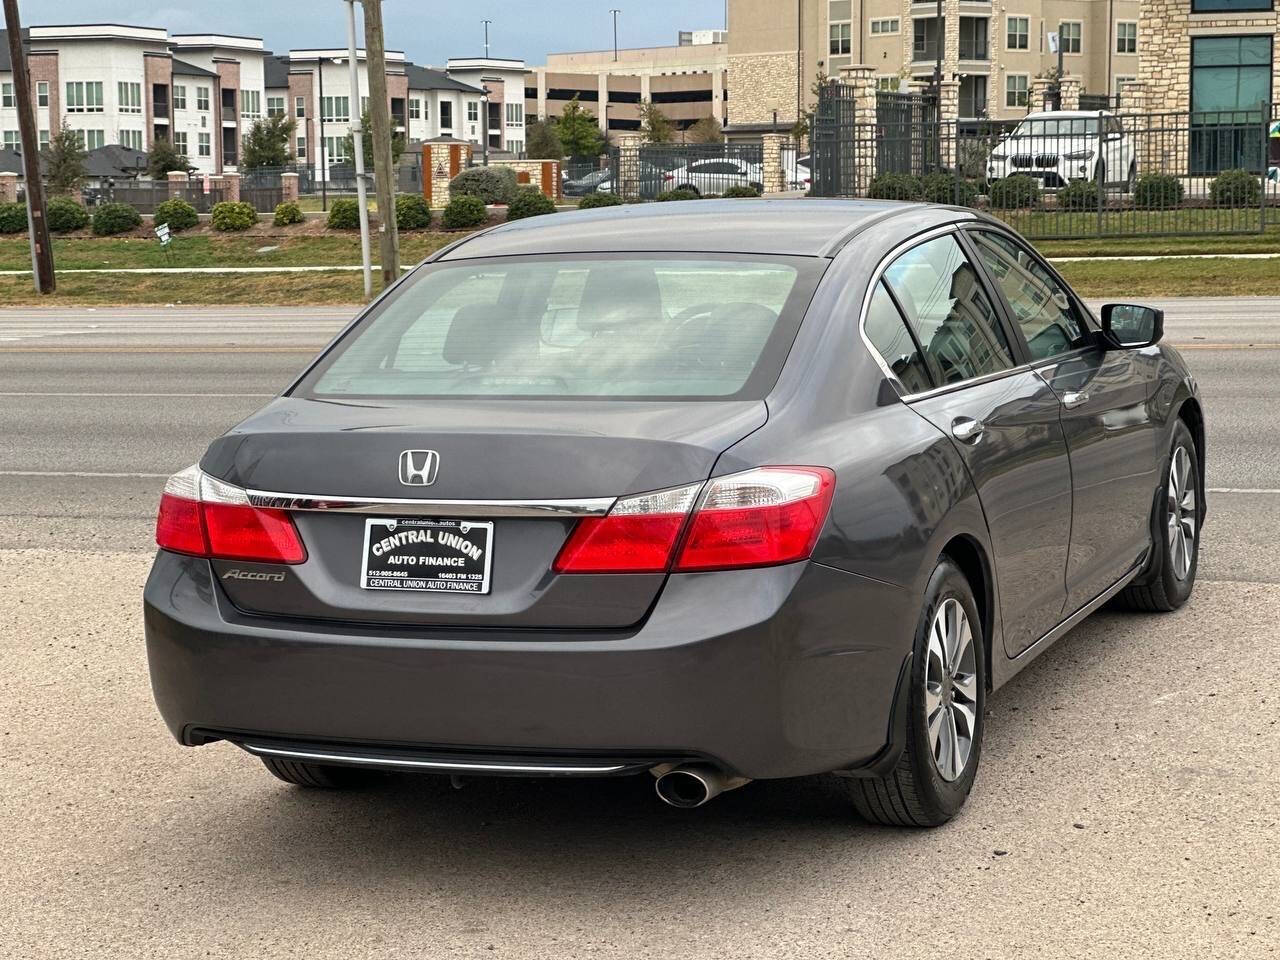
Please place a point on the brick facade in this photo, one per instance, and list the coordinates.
(228, 79)
(44, 67)
(300, 86)
(159, 71)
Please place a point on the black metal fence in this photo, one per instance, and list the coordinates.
(146, 195)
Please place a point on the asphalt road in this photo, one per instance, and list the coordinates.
(1126, 805)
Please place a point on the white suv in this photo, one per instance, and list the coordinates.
(1058, 146)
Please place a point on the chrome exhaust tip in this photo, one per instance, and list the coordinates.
(691, 785)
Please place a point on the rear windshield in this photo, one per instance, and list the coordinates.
(606, 327)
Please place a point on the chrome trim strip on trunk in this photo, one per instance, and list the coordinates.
(591, 507)
(458, 765)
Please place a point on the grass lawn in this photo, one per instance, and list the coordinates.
(1268, 242)
(1174, 278)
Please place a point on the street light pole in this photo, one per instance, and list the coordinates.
(357, 140)
(615, 33)
(486, 38)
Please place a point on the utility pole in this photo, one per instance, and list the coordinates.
(380, 120)
(486, 38)
(41, 249)
(357, 139)
(615, 33)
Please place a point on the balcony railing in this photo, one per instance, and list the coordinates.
(228, 159)
(926, 51)
(977, 50)
(160, 109)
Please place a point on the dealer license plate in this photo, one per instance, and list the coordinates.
(441, 556)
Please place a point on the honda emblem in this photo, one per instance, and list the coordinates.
(418, 468)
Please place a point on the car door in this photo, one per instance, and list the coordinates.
(1003, 419)
(1115, 149)
(1106, 416)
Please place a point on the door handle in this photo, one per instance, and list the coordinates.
(966, 429)
(1071, 399)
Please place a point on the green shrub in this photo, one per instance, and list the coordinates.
(949, 188)
(490, 184)
(344, 214)
(64, 215)
(13, 217)
(287, 213)
(592, 200)
(529, 202)
(230, 216)
(668, 195)
(177, 213)
(1079, 195)
(412, 212)
(115, 218)
(1157, 191)
(740, 192)
(464, 211)
(1236, 188)
(1013, 193)
(896, 186)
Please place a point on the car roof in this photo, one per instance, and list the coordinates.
(1068, 114)
(785, 226)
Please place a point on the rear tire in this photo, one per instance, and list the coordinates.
(1171, 574)
(930, 783)
(690, 188)
(315, 775)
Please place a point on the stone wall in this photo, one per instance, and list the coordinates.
(543, 174)
(760, 84)
(441, 162)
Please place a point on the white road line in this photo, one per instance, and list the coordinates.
(82, 473)
(1243, 490)
(18, 393)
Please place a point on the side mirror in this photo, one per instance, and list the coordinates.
(1130, 325)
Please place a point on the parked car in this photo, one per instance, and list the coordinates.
(587, 183)
(712, 492)
(650, 181)
(714, 175)
(1058, 146)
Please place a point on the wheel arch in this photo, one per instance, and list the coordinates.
(1192, 414)
(970, 556)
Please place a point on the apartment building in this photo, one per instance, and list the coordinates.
(502, 81)
(995, 50)
(687, 81)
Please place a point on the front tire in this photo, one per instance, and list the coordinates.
(314, 775)
(1175, 533)
(945, 720)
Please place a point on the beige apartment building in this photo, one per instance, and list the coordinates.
(994, 49)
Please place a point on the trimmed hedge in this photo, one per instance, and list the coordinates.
(287, 213)
(412, 212)
(111, 218)
(230, 216)
(65, 214)
(592, 200)
(949, 188)
(1157, 191)
(529, 202)
(740, 192)
(669, 195)
(344, 214)
(1236, 188)
(490, 184)
(1079, 195)
(1014, 193)
(13, 217)
(177, 213)
(464, 211)
(896, 186)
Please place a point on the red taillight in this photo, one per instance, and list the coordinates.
(205, 517)
(763, 517)
(668, 177)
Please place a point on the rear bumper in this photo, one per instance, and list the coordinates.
(776, 672)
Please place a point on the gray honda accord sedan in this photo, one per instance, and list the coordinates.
(710, 492)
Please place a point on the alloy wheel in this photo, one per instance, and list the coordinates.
(1181, 513)
(951, 690)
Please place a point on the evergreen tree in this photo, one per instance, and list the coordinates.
(579, 133)
(366, 138)
(542, 141)
(269, 143)
(163, 158)
(65, 157)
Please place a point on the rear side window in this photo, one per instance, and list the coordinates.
(1041, 305)
(888, 333)
(577, 328)
(949, 312)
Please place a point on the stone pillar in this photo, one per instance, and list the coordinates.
(1133, 97)
(1071, 87)
(289, 187)
(949, 113)
(8, 188)
(441, 162)
(177, 181)
(773, 177)
(1038, 98)
(628, 173)
(863, 81)
(231, 187)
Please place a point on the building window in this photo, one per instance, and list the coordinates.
(299, 106)
(927, 40)
(275, 106)
(335, 149)
(1126, 37)
(91, 139)
(300, 148)
(132, 139)
(887, 84)
(13, 140)
(1016, 87)
(335, 109)
(515, 114)
(1069, 36)
(202, 98)
(84, 97)
(473, 112)
(1230, 89)
(129, 97)
(841, 41)
(446, 115)
(179, 97)
(42, 93)
(1017, 30)
(250, 104)
(180, 141)
(6, 95)
(204, 145)
(1213, 6)
(415, 109)
(885, 25)
(973, 96)
(44, 139)
(973, 38)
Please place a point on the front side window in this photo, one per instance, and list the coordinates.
(13, 140)
(1041, 305)
(335, 109)
(1017, 33)
(888, 333)
(949, 312)
(92, 139)
(1126, 37)
(620, 328)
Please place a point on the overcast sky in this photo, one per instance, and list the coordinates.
(429, 31)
